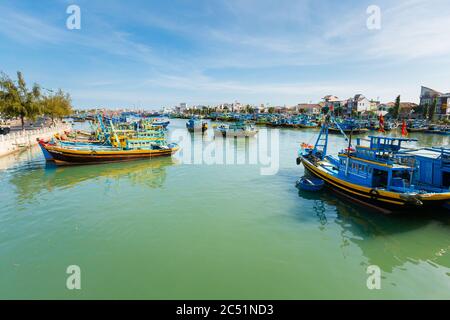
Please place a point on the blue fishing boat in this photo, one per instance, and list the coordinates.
(310, 184)
(307, 123)
(196, 125)
(380, 175)
(239, 129)
(390, 125)
(441, 130)
(417, 126)
(432, 167)
(347, 126)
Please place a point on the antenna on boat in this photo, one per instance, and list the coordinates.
(348, 152)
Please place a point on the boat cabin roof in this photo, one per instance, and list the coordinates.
(425, 153)
(388, 144)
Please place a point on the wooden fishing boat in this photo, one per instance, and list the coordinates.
(377, 175)
(121, 145)
(64, 155)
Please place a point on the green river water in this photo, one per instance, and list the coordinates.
(164, 229)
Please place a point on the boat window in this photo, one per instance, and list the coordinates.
(379, 178)
(446, 179)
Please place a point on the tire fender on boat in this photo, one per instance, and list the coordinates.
(374, 194)
(299, 160)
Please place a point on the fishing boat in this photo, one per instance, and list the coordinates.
(120, 145)
(441, 130)
(378, 175)
(160, 122)
(238, 129)
(417, 126)
(310, 184)
(88, 154)
(390, 125)
(374, 125)
(196, 125)
(308, 124)
(347, 126)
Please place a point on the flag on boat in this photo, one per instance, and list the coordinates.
(404, 131)
(381, 125)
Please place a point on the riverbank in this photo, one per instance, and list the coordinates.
(20, 140)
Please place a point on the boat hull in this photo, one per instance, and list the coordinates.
(355, 131)
(304, 126)
(236, 134)
(381, 200)
(202, 129)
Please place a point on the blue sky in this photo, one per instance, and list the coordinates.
(148, 54)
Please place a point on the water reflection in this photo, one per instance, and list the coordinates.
(388, 241)
(30, 183)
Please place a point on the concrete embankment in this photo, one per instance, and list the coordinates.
(20, 140)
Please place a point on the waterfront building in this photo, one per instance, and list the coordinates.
(358, 104)
(374, 105)
(429, 96)
(308, 108)
(332, 102)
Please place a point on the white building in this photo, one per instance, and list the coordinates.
(358, 104)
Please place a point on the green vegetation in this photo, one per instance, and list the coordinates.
(56, 105)
(425, 111)
(395, 111)
(431, 110)
(19, 101)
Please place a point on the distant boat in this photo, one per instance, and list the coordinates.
(158, 122)
(417, 126)
(441, 130)
(308, 124)
(239, 129)
(196, 125)
(390, 125)
(347, 126)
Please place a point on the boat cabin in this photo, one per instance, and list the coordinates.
(432, 167)
(376, 165)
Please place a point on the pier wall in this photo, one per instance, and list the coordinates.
(20, 140)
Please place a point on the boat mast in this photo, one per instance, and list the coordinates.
(348, 153)
(322, 140)
(115, 134)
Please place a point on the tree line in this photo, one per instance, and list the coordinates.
(17, 100)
